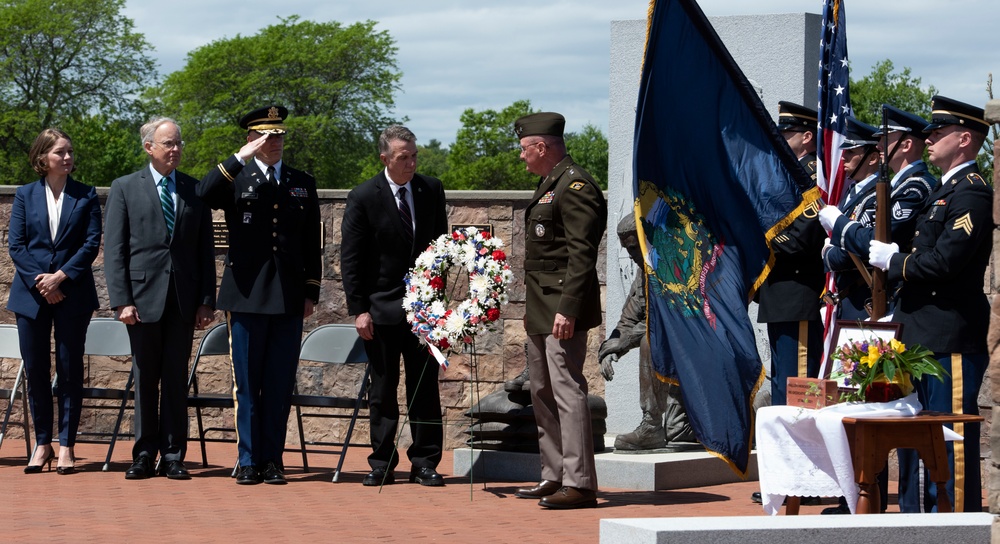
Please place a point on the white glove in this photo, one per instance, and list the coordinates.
(879, 253)
(828, 216)
(827, 246)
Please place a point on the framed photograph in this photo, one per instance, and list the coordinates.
(845, 331)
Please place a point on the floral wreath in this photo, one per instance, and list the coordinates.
(426, 302)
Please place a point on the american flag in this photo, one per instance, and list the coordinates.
(834, 101)
(834, 107)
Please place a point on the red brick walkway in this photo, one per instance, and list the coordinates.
(94, 506)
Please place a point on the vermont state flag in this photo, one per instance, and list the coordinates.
(714, 182)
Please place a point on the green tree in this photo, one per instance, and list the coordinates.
(337, 82)
(105, 148)
(589, 148)
(432, 159)
(62, 60)
(486, 152)
(885, 86)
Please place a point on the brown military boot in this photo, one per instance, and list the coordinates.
(648, 435)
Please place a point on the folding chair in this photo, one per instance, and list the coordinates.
(109, 338)
(215, 342)
(332, 345)
(10, 348)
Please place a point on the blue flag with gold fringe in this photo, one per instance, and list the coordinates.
(714, 181)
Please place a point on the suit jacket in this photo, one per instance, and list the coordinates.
(564, 226)
(941, 302)
(139, 253)
(73, 251)
(275, 255)
(374, 255)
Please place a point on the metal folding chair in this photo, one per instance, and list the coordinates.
(215, 342)
(332, 345)
(10, 348)
(109, 338)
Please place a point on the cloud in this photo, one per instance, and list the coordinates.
(459, 54)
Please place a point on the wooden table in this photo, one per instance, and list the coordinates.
(871, 440)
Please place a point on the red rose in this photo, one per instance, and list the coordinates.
(499, 255)
(437, 283)
(443, 344)
(486, 235)
(492, 314)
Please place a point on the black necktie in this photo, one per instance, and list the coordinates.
(404, 215)
(270, 175)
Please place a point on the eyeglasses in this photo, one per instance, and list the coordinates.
(171, 144)
(525, 147)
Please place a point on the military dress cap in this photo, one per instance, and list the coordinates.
(267, 120)
(795, 117)
(945, 111)
(540, 124)
(902, 121)
(858, 134)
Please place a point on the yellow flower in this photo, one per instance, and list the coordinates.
(897, 346)
(872, 357)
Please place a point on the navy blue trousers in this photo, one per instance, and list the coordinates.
(796, 350)
(70, 333)
(958, 393)
(265, 353)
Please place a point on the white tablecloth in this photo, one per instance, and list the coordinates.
(804, 453)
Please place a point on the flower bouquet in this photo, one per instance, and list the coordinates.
(880, 371)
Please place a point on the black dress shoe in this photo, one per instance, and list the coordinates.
(273, 475)
(379, 476)
(248, 476)
(174, 470)
(141, 468)
(426, 476)
(543, 489)
(803, 501)
(568, 498)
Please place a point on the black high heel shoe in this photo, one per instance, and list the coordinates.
(70, 469)
(34, 469)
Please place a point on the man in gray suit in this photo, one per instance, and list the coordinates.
(159, 260)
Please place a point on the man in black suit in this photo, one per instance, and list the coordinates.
(390, 219)
(270, 284)
(159, 261)
(940, 301)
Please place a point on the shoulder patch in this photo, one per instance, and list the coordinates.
(577, 185)
(975, 178)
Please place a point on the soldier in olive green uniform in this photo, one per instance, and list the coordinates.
(564, 225)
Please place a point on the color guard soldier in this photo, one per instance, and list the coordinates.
(941, 302)
(856, 210)
(790, 297)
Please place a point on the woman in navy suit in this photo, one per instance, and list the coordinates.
(53, 239)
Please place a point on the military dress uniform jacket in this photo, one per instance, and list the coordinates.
(910, 190)
(275, 259)
(793, 288)
(941, 302)
(852, 289)
(564, 226)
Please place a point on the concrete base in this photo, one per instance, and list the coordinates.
(638, 472)
(881, 529)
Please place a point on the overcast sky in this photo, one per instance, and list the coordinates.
(458, 54)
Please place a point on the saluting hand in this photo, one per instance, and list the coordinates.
(250, 149)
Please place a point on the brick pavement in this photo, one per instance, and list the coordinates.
(99, 507)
